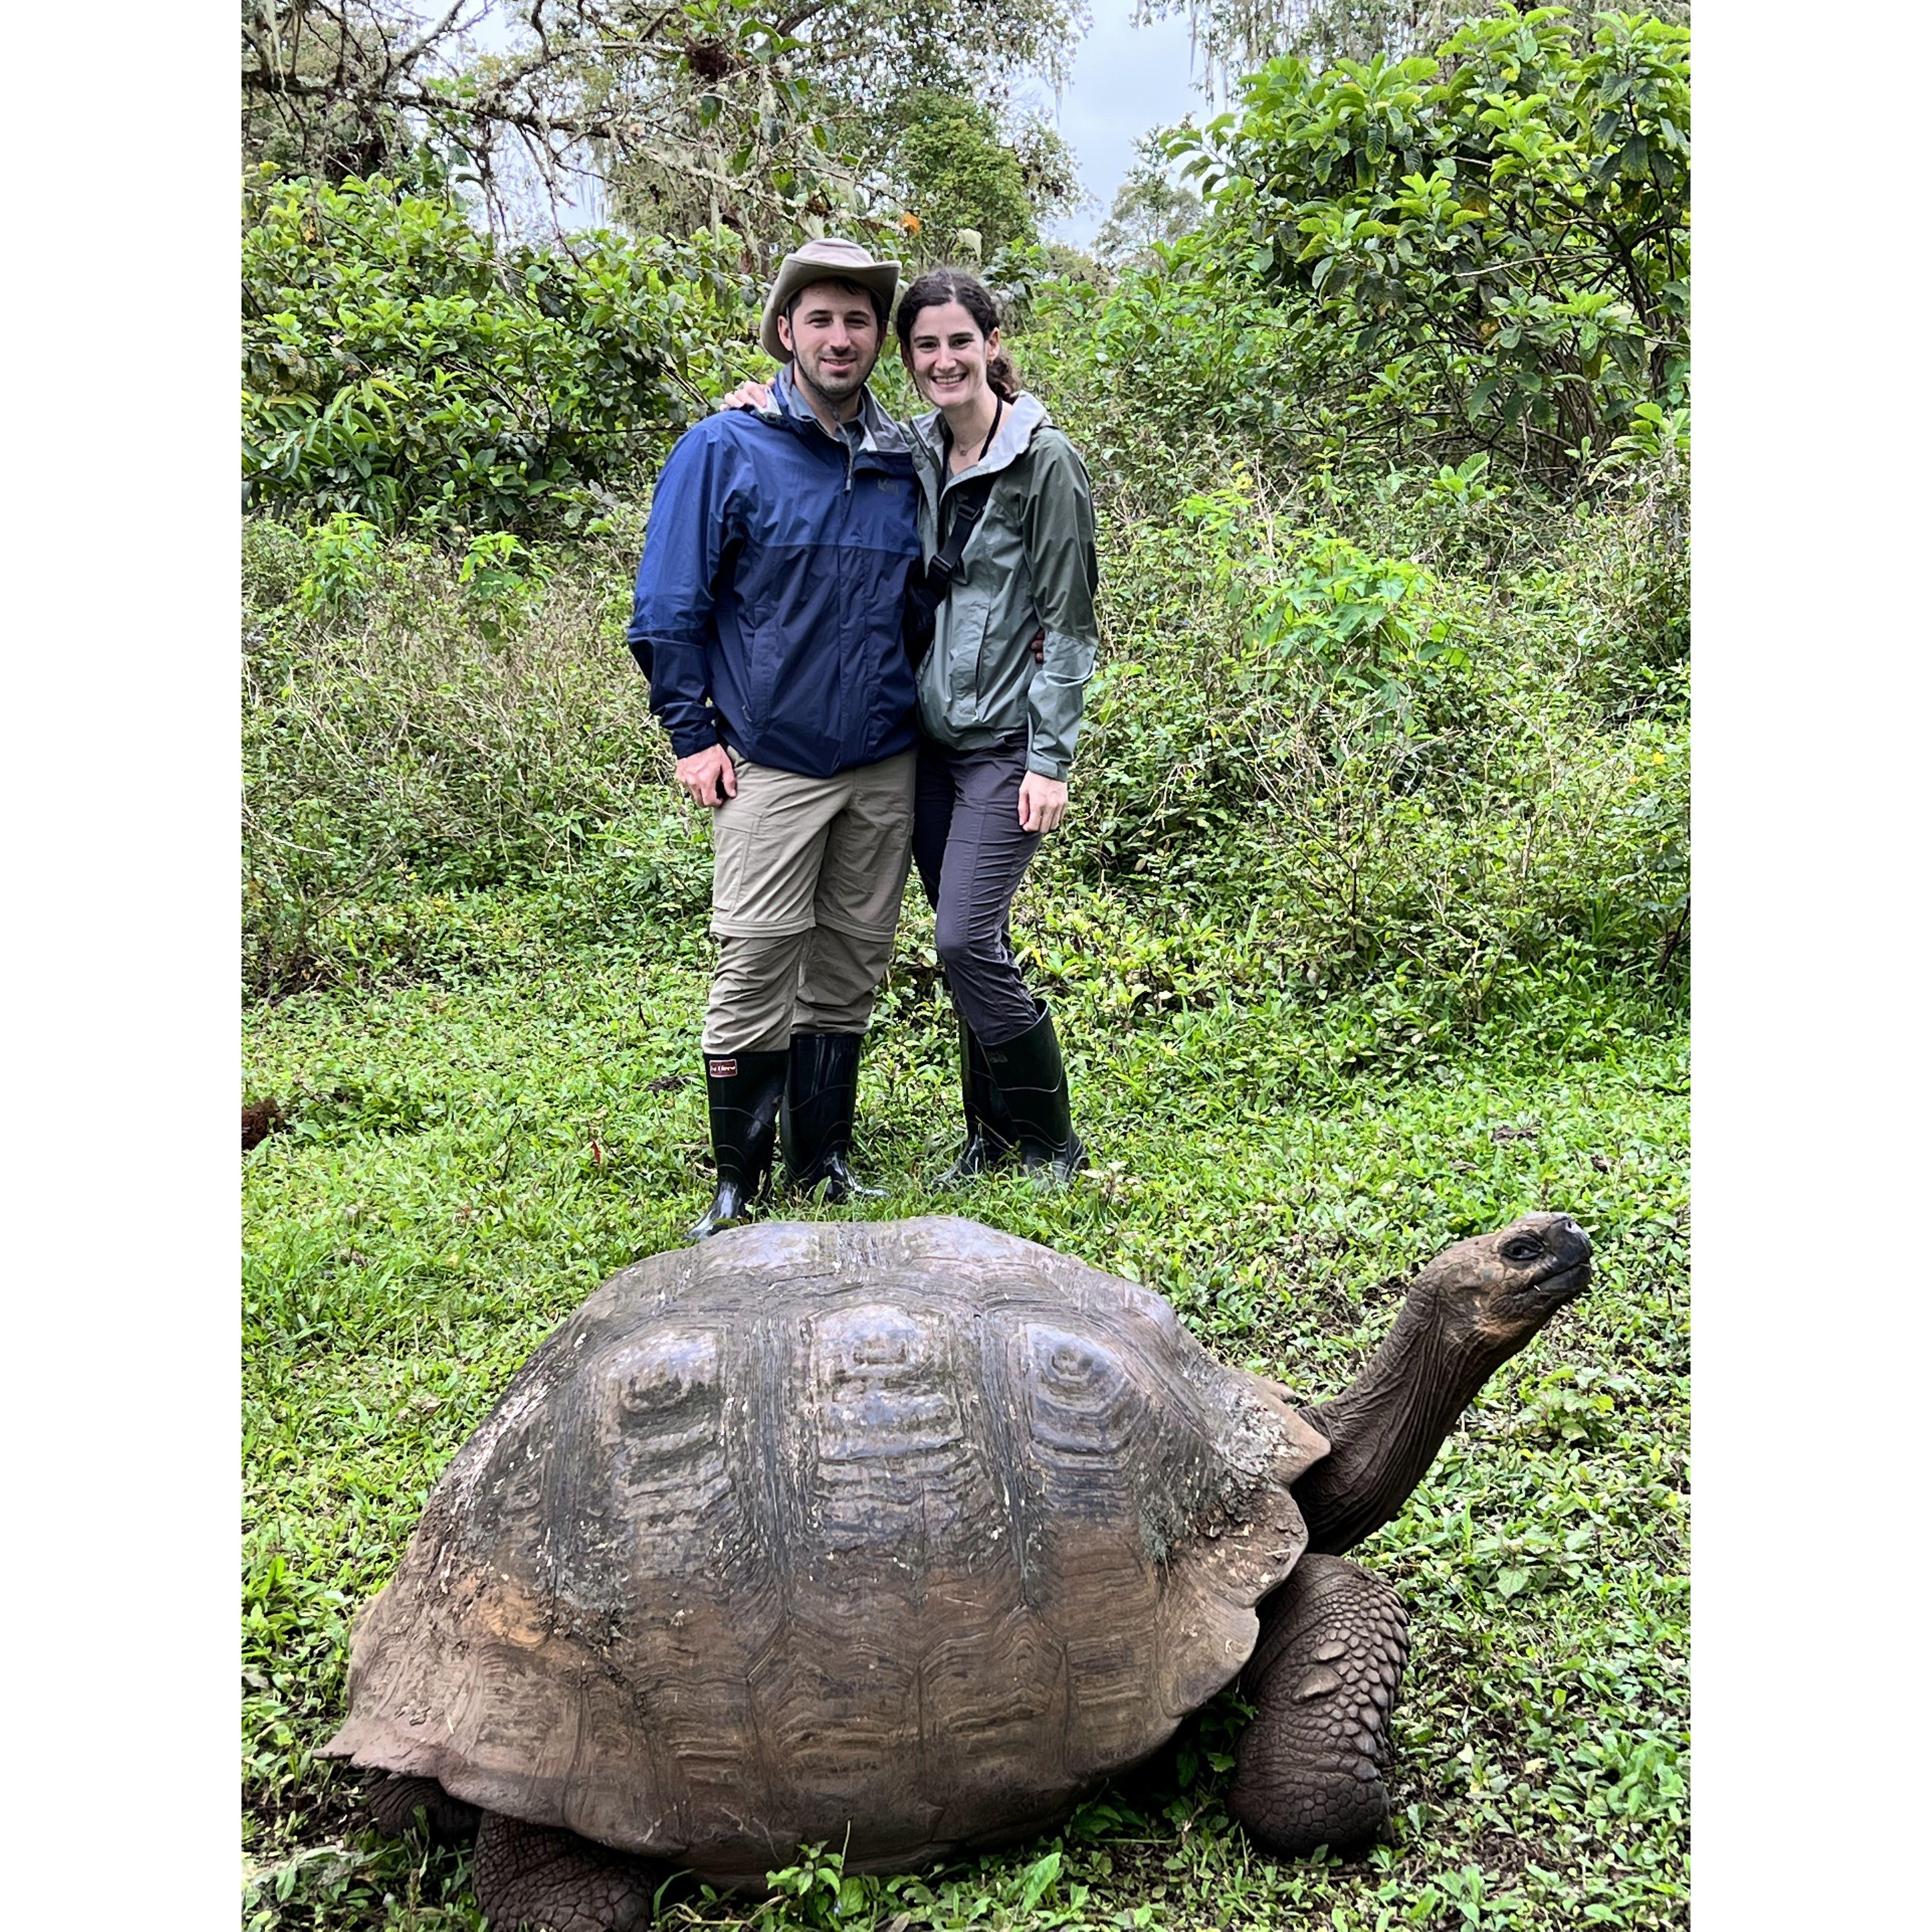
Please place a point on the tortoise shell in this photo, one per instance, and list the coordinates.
(911, 1531)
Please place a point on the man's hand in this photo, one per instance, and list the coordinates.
(1043, 802)
(1037, 645)
(747, 396)
(709, 777)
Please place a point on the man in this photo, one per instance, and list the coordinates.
(768, 619)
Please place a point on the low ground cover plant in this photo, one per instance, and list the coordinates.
(463, 1160)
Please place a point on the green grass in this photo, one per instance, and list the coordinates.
(469, 1159)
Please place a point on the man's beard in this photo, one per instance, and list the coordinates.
(834, 385)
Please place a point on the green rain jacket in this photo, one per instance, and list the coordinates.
(1029, 565)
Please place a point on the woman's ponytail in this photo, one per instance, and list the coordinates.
(1003, 376)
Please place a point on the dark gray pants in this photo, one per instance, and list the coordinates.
(971, 856)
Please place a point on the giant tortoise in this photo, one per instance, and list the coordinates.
(900, 1536)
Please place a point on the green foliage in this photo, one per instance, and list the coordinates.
(1048, 165)
(1234, 37)
(1456, 788)
(699, 113)
(1335, 628)
(1149, 209)
(815, 1893)
(1495, 239)
(502, 583)
(960, 174)
(457, 724)
(1062, 259)
(1174, 360)
(1429, 767)
(345, 560)
(818, 1894)
(401, 368)
(1366, 932)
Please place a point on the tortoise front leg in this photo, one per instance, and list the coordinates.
(533, 1875)
(394, 1800)
(1323, 1674)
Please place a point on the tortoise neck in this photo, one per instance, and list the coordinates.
(1384, 1430)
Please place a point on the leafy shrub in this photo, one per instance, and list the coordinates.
(1154, 376)
(459, 727)
(1496, 239)
(1368, 771)
(401, 368)
(345, 559)
(1408, 738)
(274, 560)
(1427, 741)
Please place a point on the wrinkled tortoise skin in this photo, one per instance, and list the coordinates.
(1323, 1678)
(914, 1530)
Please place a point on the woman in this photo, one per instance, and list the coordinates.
(998, 725)
(1007, 520)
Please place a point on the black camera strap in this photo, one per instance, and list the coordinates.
(967, 504)
(928, 588)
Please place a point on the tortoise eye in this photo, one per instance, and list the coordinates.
(1523, 1248)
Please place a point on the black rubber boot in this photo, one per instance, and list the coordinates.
(821, 1096)
(1031, 1079)
(746, 1090)
(991, 1138)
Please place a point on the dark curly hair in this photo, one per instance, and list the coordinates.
(934, 290)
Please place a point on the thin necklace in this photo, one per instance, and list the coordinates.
(999, 409)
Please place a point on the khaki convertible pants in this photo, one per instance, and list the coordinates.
(806, 876)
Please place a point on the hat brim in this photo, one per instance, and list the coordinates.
(882, 277)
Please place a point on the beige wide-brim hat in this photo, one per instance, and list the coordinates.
(830, 260)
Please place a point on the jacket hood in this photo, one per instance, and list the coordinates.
(1024, 415)
(788, 409)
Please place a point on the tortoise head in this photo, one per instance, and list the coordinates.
(1469, 1311)
(1489, 1294)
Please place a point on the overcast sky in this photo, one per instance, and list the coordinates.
(1126, 80)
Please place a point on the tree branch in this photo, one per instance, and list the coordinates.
(402, 62)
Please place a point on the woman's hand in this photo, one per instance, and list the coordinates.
(1043, 802)
(747, 396)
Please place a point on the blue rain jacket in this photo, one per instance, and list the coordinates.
(772, 589)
